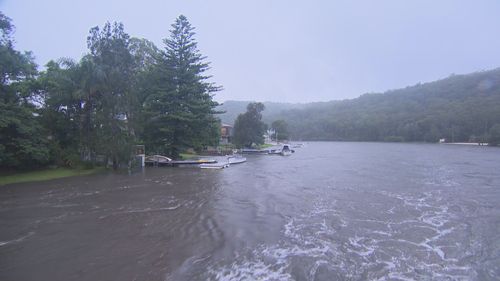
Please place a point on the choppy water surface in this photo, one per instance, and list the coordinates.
(331, 211)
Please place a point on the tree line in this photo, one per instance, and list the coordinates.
(460, 108)
(124, 91)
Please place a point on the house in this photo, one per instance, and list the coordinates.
(268, 136)
(226, 132)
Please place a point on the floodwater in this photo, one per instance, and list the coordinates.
(331, 211)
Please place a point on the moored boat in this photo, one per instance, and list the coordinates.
(286, 151)
(254, 151)
(214, 165)
(236, 159)
(160, 160)
(283, 150)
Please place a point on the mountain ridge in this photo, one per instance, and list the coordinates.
(459, 107)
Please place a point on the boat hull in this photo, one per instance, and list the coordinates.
(215, 166)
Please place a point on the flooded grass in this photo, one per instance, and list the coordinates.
(266, 145)
(188, 156)
(47, 174)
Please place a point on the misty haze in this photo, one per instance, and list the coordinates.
(265, 140)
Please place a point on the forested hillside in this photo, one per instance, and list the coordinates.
(458, 108)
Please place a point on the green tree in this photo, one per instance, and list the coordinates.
(63, 109)
(248, 127)
(280, 128)
(180, 110)
(145, 55)
(113, 101)
(23, 142)
(144, 52)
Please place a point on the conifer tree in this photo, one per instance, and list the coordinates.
(181, 111)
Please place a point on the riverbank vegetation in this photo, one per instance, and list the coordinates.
(249, 129)
(46, 174)
(124, 91)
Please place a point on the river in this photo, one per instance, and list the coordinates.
(331, 211)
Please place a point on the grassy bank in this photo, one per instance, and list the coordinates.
(48, 174)
(266, 145)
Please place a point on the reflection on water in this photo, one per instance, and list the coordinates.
(331, 211)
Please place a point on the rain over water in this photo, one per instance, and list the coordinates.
(330, 211)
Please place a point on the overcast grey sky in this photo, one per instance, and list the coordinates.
(287, 51)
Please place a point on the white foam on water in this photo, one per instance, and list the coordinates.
(89, 193)
(385, 233)
(322, 237)
(359, 246)
(315, 267)
(252, 270)
(20, 239)
(274, 262)
(145, 210)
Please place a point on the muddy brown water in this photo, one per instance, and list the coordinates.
(331, 211)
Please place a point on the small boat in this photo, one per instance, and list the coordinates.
(236, 159)
(254, 151)
(283, 150)
(194, 162)
(157, 159)
(286, 151)
(214, 165)
(160, 160)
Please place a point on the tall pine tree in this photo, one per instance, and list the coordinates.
(181, 111)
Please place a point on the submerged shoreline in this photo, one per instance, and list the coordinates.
(46, 174)
(331, 211)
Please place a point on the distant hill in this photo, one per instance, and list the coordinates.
(233, 108)
(458, 108)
